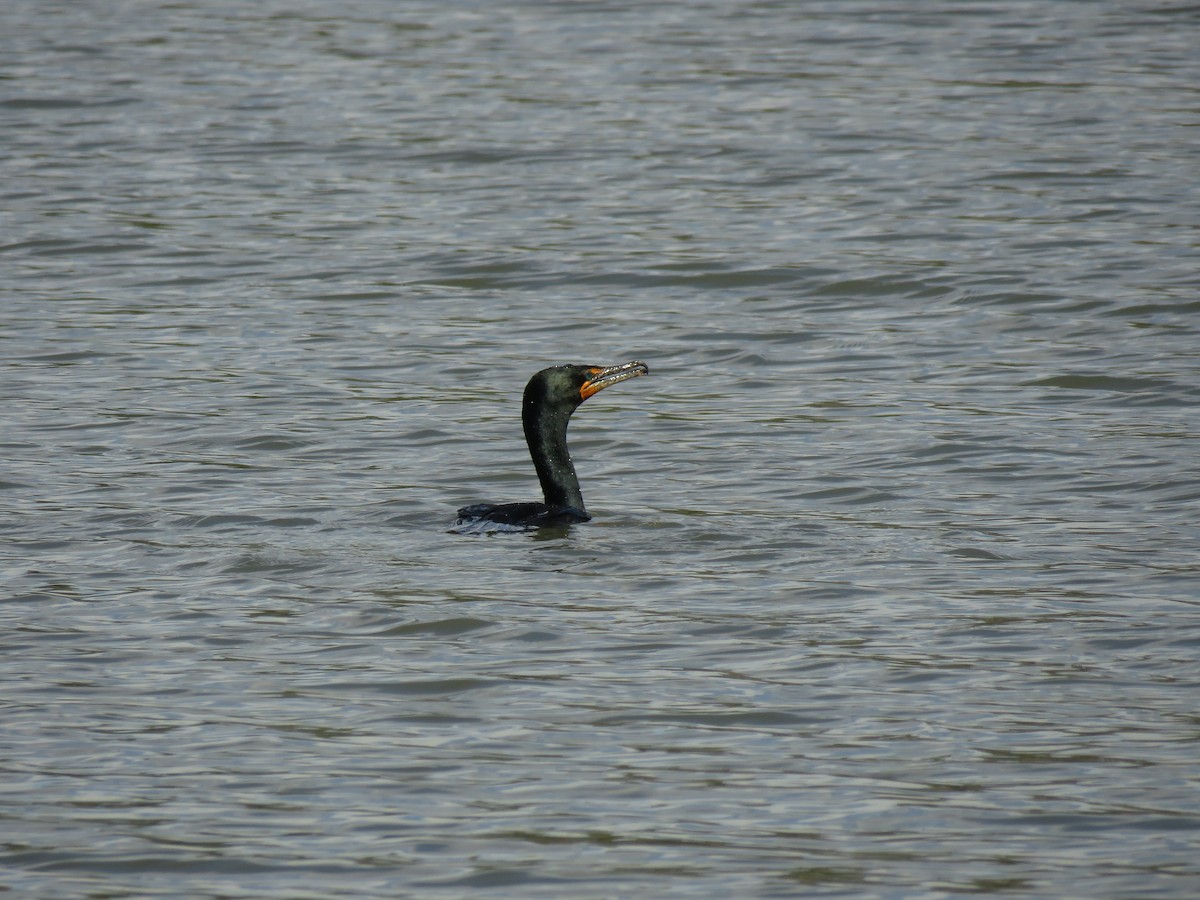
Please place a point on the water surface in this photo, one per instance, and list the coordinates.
(892, 584)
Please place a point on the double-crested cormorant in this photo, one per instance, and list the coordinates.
(550, 398)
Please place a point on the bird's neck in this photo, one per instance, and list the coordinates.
(546, 434)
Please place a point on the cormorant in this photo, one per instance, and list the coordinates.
(550, 398)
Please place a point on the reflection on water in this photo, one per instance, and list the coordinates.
(891, 584)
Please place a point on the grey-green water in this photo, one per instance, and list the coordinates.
(892, 588)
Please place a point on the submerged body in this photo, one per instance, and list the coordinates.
(550, 398)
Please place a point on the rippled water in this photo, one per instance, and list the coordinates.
(892, 587)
